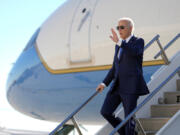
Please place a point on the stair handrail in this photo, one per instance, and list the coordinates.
(167, 46)
(163, 54)
(71, 116)
(152, 41)
(148, 98)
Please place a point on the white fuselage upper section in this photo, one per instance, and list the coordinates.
(77, 33)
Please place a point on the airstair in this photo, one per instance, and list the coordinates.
(163, 111)
(157, 113)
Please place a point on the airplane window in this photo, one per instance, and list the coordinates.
(84, 10)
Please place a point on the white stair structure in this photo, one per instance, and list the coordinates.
(162, 108)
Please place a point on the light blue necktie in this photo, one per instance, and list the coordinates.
(120, 49)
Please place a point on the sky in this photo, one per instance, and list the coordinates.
(18, 21)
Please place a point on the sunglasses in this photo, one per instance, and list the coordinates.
(120, 27)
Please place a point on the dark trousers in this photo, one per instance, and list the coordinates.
(111, 102)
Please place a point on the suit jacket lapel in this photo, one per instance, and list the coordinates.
(116, 51)
(129, 42)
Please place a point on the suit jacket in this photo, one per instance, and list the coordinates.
(126, 72)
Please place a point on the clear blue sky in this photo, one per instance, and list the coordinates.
(18, 21)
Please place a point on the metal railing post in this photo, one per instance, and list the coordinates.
(76, 125)
(139, 125)
(151, 42)
(168, 45)
(163, 54)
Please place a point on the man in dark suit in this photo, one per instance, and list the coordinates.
(126, 74)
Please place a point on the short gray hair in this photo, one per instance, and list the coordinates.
(129, 20)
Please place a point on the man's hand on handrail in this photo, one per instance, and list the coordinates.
(100, 88)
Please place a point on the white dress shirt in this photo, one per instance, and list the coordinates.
(119, 43)
(126, 40)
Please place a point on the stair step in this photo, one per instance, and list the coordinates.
(164, 110)
(148, 133)
(153, 124)
(172, 97)
(178, 84)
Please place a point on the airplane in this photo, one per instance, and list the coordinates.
(7, 131)
(71, 52)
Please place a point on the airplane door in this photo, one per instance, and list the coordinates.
(79, 34)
